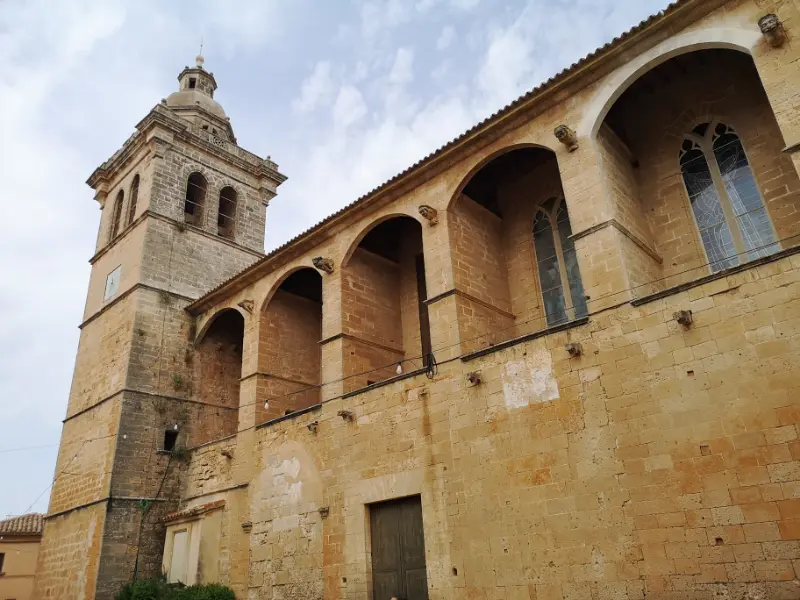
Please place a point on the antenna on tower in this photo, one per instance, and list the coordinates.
(199, 59)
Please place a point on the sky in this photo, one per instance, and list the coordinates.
(342, 94)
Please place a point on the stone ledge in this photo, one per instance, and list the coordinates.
(291, 415)
(715, 276)
(525, 338)
(380, 384)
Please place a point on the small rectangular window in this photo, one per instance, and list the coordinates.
(112, 283)
(170, 438)
(2, 560)
(192, 83)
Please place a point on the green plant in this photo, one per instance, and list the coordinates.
(159, 589)
(180, 453)
(146, 589)
(211, 591)
(177, 381)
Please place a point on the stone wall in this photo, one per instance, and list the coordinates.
(662, 462)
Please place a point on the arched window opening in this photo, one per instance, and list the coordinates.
(195, 199)
(500, 263)
(384, 315)
(726, 203)
(226, 217)
(695, 189)
(117, 216)
(134, 199)
(559, 274)
(289, 352)
(217, 364)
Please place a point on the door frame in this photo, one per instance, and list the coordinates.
(358, 543)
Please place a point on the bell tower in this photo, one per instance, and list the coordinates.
(183, 208)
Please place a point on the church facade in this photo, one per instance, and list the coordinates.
(557, 358)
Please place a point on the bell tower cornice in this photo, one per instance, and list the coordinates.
(162, 127)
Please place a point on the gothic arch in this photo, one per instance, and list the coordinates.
(485, 161)
(201, 333)
(264, 302)
(367, 228)
(742, 40)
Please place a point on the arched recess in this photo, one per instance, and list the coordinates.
(496, 270)
(655, 134)
(385, 324)
(217, 366)
(226, 212)
(720, 38)
(289, 354)
(195, 199)
(116, 217)
(134, 194)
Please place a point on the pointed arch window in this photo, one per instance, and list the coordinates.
(117, 216)
(134, 199)
(559, 274)
(195, 199)
(226, 216)
(727, 205)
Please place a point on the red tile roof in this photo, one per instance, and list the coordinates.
(194, 511)
(25, 525)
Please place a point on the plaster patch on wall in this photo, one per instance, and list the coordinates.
(529, 381)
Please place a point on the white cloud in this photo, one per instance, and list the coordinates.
(349, 107)
(446, 37)
(403, 68)
(317, 88)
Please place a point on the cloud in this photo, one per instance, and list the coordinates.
(349, 107)
(403, 68)
(446, 37)
(317, 89)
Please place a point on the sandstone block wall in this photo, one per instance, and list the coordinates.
(661, 463)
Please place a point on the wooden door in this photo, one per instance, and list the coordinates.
(398, 550)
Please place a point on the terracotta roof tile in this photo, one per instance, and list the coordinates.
(194, 511)
(485, 122)
(30, 524)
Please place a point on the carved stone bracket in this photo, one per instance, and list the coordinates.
(323, 264)
(773, 30)
(567, 136)
(246, 305)
(430, 214)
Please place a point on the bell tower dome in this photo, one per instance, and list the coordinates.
(195, 101)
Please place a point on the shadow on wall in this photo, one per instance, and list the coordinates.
(289, 354)
(217, 373)
(384, 316)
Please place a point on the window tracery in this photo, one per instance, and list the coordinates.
(727, 205)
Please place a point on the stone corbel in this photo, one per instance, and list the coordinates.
(101, 196)
(430, 214)
(773, 30)
(567, 136)
(266, 194)
(323, 264)
(246, 305)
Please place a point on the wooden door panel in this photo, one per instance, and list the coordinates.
(385, 586)
(416, 585)
(398, 550)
